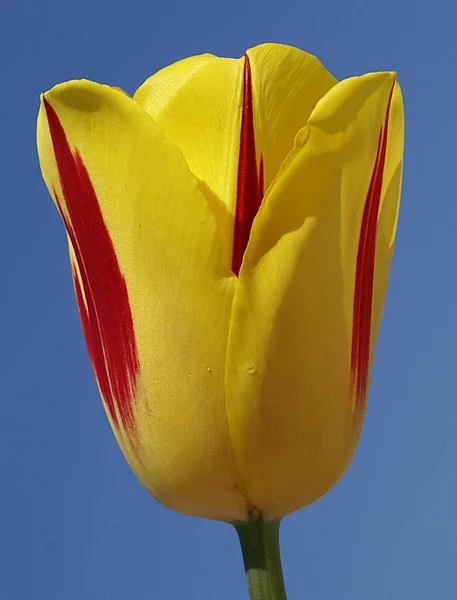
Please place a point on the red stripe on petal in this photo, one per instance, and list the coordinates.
(364, 279)
(106, 316)
(250, 183)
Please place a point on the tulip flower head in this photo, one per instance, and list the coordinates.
(230, 230)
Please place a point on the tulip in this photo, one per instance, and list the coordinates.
(230, 231)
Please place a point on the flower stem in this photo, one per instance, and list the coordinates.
(259, 541)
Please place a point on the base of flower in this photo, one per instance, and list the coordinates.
(259, 541)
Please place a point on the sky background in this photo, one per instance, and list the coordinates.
(75, 524)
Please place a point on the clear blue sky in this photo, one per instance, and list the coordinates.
(74, 522)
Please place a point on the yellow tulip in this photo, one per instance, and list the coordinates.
(230, 229)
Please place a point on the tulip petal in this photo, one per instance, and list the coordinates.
(293, 416)
(197, 103)
(146, 255)
(287, 83)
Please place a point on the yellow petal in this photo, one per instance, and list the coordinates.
(287, 83)
(292, 412)
(154, 292)
(197, 101)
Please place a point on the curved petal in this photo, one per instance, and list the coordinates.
(153, 289)
(287, 83)
(293, 415)
(197, 103)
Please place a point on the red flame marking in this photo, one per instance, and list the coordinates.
(107, 319)
(250, 184)
(364, 279)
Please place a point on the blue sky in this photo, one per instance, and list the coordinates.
(74, 522)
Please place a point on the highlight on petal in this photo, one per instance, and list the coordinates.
(288, 372)
(141, 227)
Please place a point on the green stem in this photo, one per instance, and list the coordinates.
(259, 541)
